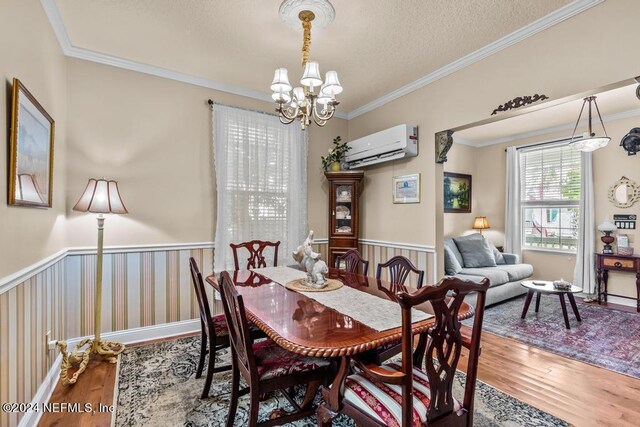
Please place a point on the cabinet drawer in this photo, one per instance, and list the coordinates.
(619, 264)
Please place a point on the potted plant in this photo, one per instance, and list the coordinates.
(331, 162)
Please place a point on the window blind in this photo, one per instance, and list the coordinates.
(550, 197)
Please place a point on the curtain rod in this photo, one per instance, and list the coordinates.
(536, 144)
(212, 103)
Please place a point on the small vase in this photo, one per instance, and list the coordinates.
(335, 167)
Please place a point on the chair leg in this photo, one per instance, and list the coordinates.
(254, 406)
(210, 368)
(235, 393)
(203, 352)
(324, 416)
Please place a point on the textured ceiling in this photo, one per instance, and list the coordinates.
(376, 46)
(611, 103)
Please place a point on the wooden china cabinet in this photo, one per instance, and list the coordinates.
(344, 212)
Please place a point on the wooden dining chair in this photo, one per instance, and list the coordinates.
(419, 389)
(399, 270)
(256, 256)
(352, 260)
(214, 331)
(266, 366)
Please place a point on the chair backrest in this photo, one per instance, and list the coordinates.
(442, 349)
(256, 257)
(352, 260)
(239, 332)
(399, 270)
(203, 301)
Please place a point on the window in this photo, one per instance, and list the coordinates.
(261, 182)
(550, 197)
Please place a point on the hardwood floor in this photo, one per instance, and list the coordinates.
(581, 394)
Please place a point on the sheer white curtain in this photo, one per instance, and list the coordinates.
(261, 180)
(512, 212)
(585, 270)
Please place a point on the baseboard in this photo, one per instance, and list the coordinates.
(43, 395)
(621, 301)
(128, 336)
(146, 333)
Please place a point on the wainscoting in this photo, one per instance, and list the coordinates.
(142, 286)
(378, 251)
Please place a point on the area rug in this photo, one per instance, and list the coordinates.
(157, 386)
(606, 337)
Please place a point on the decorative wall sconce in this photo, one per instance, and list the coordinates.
(631, 141)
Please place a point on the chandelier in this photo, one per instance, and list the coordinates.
(313, 99)
(590, 141)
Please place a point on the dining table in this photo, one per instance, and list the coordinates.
(299, 322)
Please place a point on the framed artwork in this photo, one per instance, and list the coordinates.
(30, 151)
(457, 193)
(406, 188)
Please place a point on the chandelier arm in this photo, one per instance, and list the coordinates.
(600, 117)
(578, 121)
(326, 116)
(285, 122)
(283, 112)
(319, 122)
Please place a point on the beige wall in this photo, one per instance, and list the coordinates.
(153, 135)
(31, 53)
(547, 62)
(609, 164)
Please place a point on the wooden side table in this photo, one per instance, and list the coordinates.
(613, 262)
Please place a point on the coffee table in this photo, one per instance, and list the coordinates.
(547, 288)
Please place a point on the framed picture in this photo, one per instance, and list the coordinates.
(457, 193)
(406, 188)
(30, 151)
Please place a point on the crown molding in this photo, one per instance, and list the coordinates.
(517, 36)
(567, 126)
(57, 24)
(55, 19)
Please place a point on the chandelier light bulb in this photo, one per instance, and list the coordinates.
(283, 97)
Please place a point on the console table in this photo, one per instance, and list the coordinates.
(613, 262)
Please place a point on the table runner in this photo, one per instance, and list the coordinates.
(377, 313)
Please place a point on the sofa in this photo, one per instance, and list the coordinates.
(479, 258)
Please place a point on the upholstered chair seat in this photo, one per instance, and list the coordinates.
(273, 361)
(383, 401)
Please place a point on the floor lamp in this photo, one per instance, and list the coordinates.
(101, 197)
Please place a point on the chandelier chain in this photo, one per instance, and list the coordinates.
(306, 40)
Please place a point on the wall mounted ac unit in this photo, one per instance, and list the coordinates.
(394, 143)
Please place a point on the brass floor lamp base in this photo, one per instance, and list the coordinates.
(81, 357)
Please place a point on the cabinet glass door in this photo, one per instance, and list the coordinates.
(343, 212)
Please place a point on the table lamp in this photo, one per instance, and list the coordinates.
(101, 197)
(480, 223)
(607, 227)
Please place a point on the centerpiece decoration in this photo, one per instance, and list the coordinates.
(332, 161)
(310, 261)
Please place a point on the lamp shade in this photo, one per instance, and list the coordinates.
(607, 226)
(27, 189)
(281, 81)
(101, 196)
(311, 75)
(591, 143)
(480, 223)
(332, 85)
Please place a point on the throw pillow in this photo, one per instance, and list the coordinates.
(451, 264)
(497, 255)
(476, 252)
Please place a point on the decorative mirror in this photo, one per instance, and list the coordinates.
(624, 193)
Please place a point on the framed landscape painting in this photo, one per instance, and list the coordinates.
(457, 193)
(406, 188)
(30, 152)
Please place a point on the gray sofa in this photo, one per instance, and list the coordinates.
(505, 276)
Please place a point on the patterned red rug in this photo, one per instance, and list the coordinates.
(606, 337)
